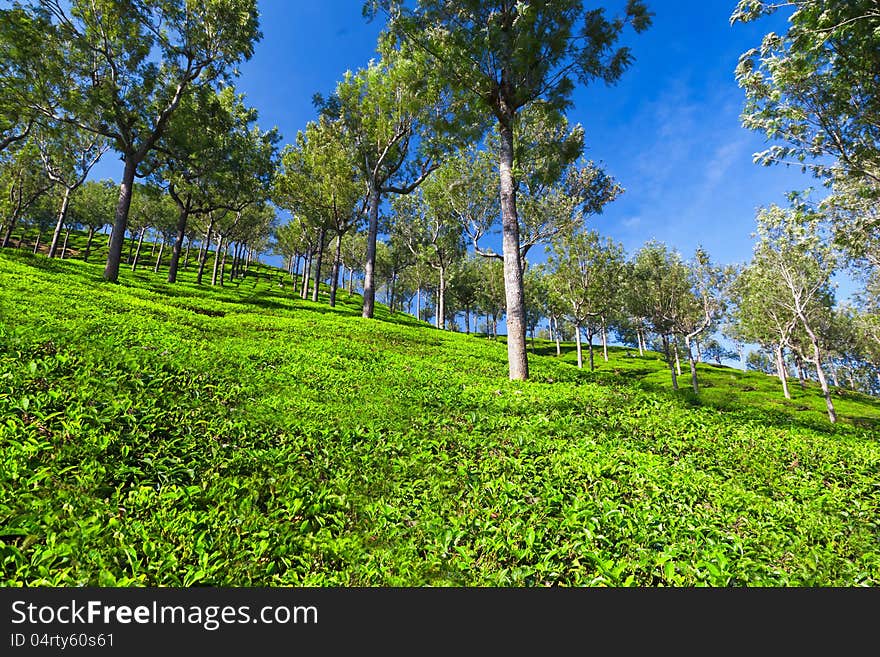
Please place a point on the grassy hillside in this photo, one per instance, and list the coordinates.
(179, 435)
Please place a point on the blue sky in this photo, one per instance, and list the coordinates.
(669, 131)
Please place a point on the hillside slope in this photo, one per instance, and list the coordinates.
(180, 435)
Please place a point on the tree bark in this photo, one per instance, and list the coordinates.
(690, 354)
(64, 245)
(186, 253)
(137, 252)
(62, 215)
(670, 361)
(217, 256)
(334, 278)
(641, 342)
(307, 270)
(318, 261)
(590, 344)
(37, 243)
(556, 332)
(580, 351)
(604, 340)
(780, 370)
(117, 236)
(441, 300)
(89, 243)
(159, 257)
(203, 257)
(182, 219)
(517, 355)
(8, 234)
(370, 265)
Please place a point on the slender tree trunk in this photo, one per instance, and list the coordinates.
(419, 303)
(690, 355)
(556, 332)
(517, 356)
(37, 243)
(441, 300)
(334, 277)
(742, 359)
(89, 243)
(307, 272)
(699, 351)
(203, 257)
(111, 269)
(319, 258)
(62, 215)
(467, 320)
(223, 264)
(677, 359)
(161, 251)
(370, 265)
(64, 246)
(350, 282)
(186, 253)
(182, 219)
(590, 344)
(780, 370)
(670, 361)
(8, 234)
(217, 255)
(580, 350)
(137, 252)
(604, 340)
(834, 377)
(641, 341)
(817, 361)
(802, 377)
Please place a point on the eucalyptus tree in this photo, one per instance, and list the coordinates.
(150, 208)
(128, 65)
(24, 182)
(794, 250)
(491, 297)
(813, 89)
(707, 302)
(395, 112)
(93, 206)
(585, 272)
(68, 154)
(426, 228)
(659, 289)
(214, 156)
(508, 55)
(320, 180)
(465, 287)
(354, 255)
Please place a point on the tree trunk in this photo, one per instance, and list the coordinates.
(159, 257)
(217, 256)
(89, 243)
(699, 352)
(318, 261)
(186, 253)
(556, 332)
(677, 359)
(334, 277)
(604, 340)
(467, 320)
(8, 234)
(641, 342)
(137, 252)
(517, 355)
(690, 354)
(817, 361)
(580, 350)
(117, 237)
(350, 282)
(669, 361)
(64, 246)
(203, 257)
(37, 243)
(182, 219)
(419, 304)
(441, 300)
(780, 370)
(370, 265)
(62, 215)
(307, 271)
(834, 378)
(590, 343)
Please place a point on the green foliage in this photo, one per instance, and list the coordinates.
(182, 435)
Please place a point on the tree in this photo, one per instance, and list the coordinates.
(394, 112)
(585, 272)
(507, 56)
(320, 181)
(814, 88)
(93, 206)
(68, 155)
(24, 183)
(125, 83)
(659, 292)
(427, 229)
(793, 248)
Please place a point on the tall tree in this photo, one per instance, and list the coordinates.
(508, 55)
(128, 65)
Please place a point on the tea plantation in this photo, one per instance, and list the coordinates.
(156, 435)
